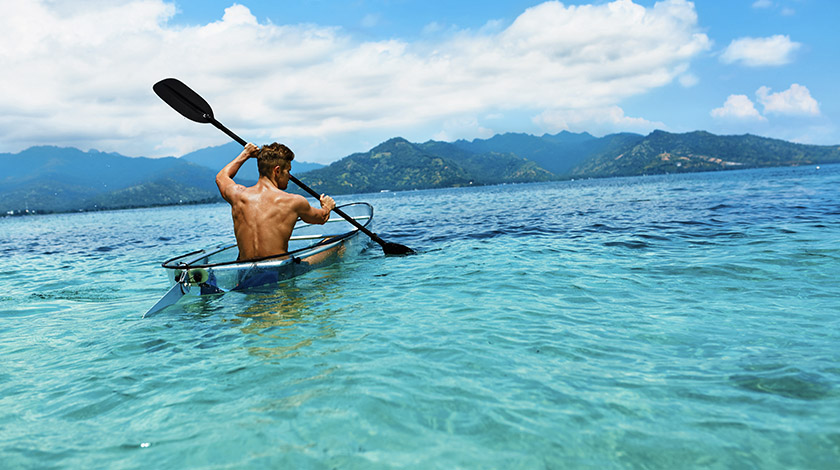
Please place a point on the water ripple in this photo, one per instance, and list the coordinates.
(661, 322)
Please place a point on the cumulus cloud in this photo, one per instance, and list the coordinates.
(796, 100)
(738, 107)
(82, 75)
(757, 52)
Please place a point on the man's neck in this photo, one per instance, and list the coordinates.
(266, 181)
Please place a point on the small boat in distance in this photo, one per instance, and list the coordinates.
(217, 270)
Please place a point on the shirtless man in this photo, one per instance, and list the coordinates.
(264, 214)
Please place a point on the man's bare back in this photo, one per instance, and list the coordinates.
(264, 215)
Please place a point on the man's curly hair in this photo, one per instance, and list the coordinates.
(272, 155)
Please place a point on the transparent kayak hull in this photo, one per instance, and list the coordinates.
(216, 270)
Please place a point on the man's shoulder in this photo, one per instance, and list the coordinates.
(242, 191)
(232, 192)
(297, 199)
(280, 196)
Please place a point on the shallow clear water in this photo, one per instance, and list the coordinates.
(657, 322)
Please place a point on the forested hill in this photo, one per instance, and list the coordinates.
(663, 152)
(52, 179)
(401, 165)
(558, 153)
(569, 155)
(55, 179)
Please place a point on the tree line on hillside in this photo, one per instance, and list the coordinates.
(52, 179)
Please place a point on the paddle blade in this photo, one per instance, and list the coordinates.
(397, 249)
(184, 100)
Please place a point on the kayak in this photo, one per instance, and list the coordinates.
(217, 270)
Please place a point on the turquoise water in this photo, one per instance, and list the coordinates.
(659, 322)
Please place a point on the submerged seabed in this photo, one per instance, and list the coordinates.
(661, 322)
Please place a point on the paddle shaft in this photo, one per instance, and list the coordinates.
(193, 107)
(300, 184)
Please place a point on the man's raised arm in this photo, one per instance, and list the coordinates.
(224, 179)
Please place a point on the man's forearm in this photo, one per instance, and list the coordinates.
(233, 167)
(226, 174)
(327, 205)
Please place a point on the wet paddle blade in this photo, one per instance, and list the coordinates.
(397, 249)
(172, 296)
(182, 99)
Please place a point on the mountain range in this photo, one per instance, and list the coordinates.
(217, 157)
(401, 165)
(53, 179)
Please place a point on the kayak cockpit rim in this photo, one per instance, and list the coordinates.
(326, 240)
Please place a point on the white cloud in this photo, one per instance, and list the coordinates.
(738, 107)
(689, 80)
(371, 20)
(82, 75)
(458, 128)
(434, 28)
(767, 4)
(598, 120)
(757, 52)
(796, 100)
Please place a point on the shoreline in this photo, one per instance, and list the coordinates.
(219, 200)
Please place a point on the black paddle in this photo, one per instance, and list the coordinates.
(193, 107)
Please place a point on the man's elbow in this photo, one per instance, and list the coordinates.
(224, 185)
(221, 180)
(324, 218)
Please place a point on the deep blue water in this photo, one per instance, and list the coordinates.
(658, 322)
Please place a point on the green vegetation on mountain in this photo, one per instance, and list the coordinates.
(400, 165)
(489, 167)
(43, 196)
(558, 153)
(163, 192)
(52, 179)
(663, 152)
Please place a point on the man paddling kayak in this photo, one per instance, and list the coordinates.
(265, 214)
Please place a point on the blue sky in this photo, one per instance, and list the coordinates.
(332, 78)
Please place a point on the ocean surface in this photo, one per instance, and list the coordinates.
(675, 321)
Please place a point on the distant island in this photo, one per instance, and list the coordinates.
(53, 179)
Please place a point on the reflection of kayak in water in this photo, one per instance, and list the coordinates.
(216, 270)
